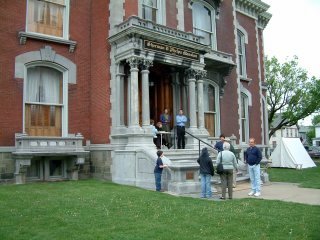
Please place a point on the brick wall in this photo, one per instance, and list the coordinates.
(226, 43)
(252, 73)
(88, 99)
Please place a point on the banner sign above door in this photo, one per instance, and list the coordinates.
(164, 48)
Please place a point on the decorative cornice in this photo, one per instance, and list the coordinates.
(264, 19)
(137, 27)
(23, 36)
(253, 8)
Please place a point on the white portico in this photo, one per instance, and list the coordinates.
(155, 67)
(148, 58)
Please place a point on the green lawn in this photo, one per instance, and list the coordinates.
(91, 209)
(309, 177)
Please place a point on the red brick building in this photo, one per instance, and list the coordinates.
(80, 81)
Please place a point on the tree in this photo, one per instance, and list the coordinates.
(290, 92)
(312, 133)
(315, 120)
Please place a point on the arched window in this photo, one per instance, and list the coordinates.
(43, 101)
(242, 66)
(244, 118)
(210, 107)
(203, 16)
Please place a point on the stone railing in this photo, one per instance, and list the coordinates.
(37, 144)
(138, 22)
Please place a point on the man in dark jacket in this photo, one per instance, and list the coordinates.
(253, 157)
(206, 172)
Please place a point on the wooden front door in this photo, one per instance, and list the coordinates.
(160, 93)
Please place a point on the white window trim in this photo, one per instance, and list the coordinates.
(65, 23)
(161, 15)
(246, 92)
(217, 105)
(213, 21)
(247, 129)
(245, 42)
(64, 120)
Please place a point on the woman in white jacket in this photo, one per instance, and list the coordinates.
(229, 162)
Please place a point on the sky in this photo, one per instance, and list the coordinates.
(294, 30)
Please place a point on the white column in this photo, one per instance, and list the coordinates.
(134, 91)
(191, 73)
(200, 99)
(200, 104)
(118, 104)
(145, 93)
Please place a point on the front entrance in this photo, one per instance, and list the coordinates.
(160, 93)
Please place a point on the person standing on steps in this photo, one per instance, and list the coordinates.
(219, 145)
(253, 158)
(165, 119)
(181, 121)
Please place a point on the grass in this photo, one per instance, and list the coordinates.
(308, 178)
(91, 209)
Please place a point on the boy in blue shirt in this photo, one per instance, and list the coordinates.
(158, 170)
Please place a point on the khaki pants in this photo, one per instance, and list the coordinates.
(227, 182)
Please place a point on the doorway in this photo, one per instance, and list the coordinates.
(160, 92)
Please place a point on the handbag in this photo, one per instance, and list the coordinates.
(220, 169)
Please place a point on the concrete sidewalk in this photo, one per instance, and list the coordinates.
(289, 192)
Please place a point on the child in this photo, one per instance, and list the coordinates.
(158, 170)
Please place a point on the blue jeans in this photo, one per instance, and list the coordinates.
(158, 181)
(254, 173)
(206, 185)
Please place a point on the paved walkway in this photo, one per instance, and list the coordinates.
(289, 192)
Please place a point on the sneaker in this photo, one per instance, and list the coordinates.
(257, 194)
(251, 193)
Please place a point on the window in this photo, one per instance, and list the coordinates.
(203, 18)
(241, 54)
(244, 118)
(49, 17)
(210, 106)
(153, 10)
(43, 101)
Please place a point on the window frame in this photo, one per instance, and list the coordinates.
(64, 104)
(213, 44)
(245, 127)
(242, 59)
(160, 14)
(66, 22)
(217, 103)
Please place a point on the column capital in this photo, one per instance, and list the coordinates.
(133, 61)
(195, 73)
(146, 64)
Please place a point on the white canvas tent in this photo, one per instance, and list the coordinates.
(290, 153)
